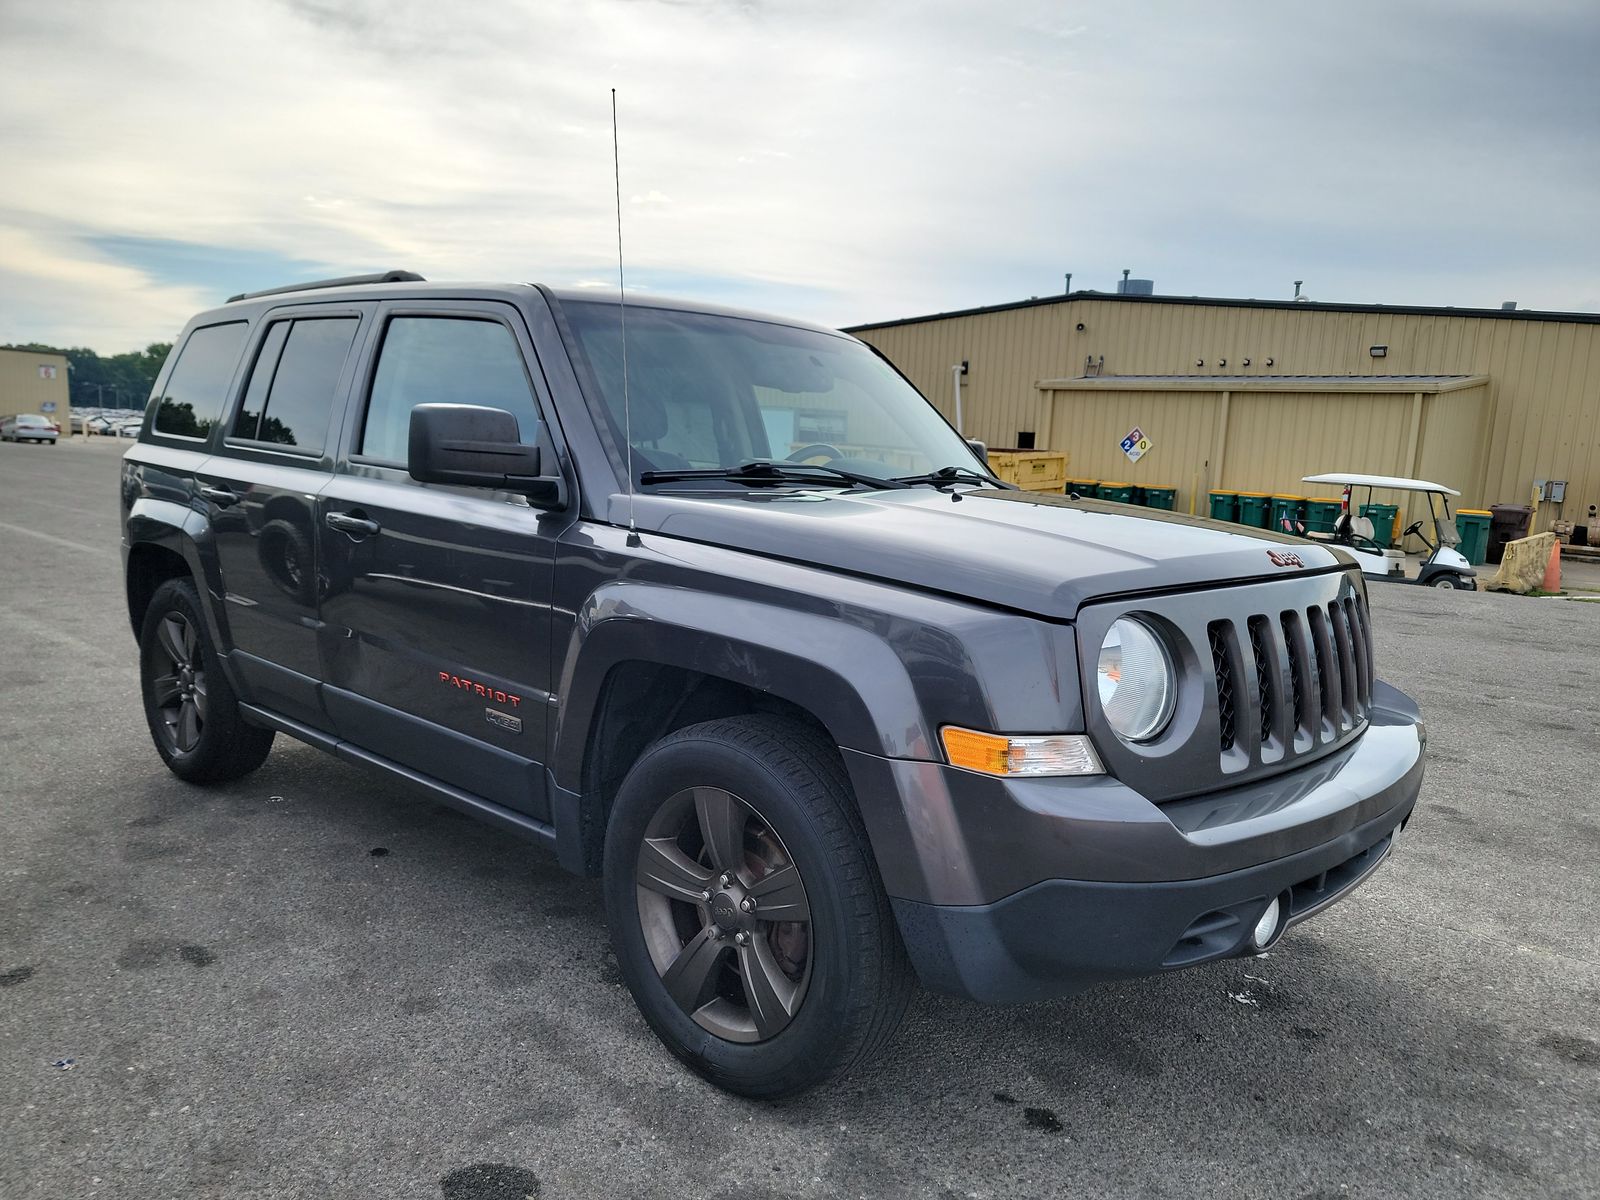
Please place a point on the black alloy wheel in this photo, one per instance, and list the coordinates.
(179, 687)
(724, 914)
(194, 717)
(745, 906)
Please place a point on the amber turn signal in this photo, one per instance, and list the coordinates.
(997, 754)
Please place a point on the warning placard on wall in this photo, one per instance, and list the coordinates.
(1136, 445)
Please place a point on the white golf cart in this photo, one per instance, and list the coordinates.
(1444, 567)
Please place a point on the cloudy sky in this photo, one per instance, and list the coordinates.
(847, 162)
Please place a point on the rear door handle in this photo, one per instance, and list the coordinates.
(221, 497)
(347, 523)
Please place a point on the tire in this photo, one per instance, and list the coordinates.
(193, 714)
(1447, 583)
(776, 800)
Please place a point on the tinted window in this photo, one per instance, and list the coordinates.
(443, 360)
(303, 367)
(198, 385)
(255, 395)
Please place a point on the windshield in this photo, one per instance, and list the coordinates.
(711, 392)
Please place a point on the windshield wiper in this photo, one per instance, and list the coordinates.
(946, 475)
(764, 472)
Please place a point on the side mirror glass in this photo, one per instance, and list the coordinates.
(470, 445)
(981, 449)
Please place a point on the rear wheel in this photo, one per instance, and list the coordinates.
(193, 714)
(746, 911)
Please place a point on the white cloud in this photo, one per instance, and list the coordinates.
(839, 161)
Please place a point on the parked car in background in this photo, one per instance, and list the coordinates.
(29, 427)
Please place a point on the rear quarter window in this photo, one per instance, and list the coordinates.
(197, 387)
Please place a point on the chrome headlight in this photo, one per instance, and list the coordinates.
(1138, 683)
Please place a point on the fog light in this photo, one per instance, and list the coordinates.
(1267, 927)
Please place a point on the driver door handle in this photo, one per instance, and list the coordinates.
(221, 497)
(348, 523)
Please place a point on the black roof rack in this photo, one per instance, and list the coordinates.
(345, 281)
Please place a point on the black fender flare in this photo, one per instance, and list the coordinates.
(849, 679)
(187, 533)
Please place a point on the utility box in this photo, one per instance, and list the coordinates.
(1031, 470)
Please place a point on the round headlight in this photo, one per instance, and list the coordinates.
(1138, 686)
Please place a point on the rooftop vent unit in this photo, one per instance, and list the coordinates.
(1508, 306)
(1135, 287)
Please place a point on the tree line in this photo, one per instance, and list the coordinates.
(108, 381)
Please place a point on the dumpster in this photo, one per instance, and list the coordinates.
(1255, 508)
(1384, 518)
(1030, 470)
(1160, 497)
(1322, 512)
(1473, 526)
(1087, 489)
(1122, 493)
(1507, 523)
(1224, 506)
(1288, 513)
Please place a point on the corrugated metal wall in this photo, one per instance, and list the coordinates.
(24, 390)
(1541, 413)
(1270, 440)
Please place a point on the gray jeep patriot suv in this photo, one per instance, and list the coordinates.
(716, 606)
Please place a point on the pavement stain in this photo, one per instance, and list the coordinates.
(1042, 1119)
(1581, 1050)
(144, 953)
(490, 1181)
(15, 975)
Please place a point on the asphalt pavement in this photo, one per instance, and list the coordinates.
(312, 984)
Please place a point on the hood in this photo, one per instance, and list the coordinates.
(1035, 552)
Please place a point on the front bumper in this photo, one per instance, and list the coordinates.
(1041, 888)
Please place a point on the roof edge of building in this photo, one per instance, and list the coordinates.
(1419, 310)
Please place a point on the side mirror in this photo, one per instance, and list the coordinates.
(981, 449)
(473, 446)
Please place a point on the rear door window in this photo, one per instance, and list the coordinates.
(197, 387)
(290, 396)
(443, 360)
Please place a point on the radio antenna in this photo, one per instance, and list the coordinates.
(622, 316)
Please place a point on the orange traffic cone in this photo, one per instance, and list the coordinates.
(1552, 570)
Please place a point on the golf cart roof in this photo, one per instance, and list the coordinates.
(1392, 482)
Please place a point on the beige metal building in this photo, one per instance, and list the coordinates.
(1253, 395)
(35, 383)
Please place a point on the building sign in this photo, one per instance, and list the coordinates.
(1136, 444)
(47, 371)
(48, 406)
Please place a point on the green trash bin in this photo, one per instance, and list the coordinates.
(1122, 493)
(1160, 497)
(1288, 513)
(1255, 509)
(1473, 526)
(1224, 506)
(1384, 517)
(1084, 489)
(1321, 513)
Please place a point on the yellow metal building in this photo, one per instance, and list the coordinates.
(35, 383)
(1253, 395)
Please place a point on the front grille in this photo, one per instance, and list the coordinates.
(1312, 675)
(1284, 670)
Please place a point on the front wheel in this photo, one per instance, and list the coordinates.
(745, 908)
(1452, 583)
(193, 714)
